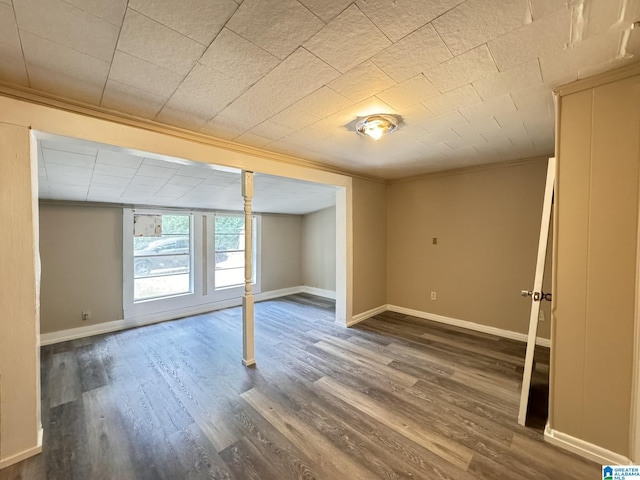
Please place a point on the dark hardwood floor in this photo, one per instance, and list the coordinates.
(394, 397)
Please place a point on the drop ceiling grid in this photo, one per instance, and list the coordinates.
(292, 76)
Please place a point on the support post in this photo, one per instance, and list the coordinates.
(248, 355)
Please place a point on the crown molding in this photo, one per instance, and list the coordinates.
(471, 169)
(598, 79)
(37, 97)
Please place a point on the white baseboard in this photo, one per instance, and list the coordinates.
(117, 325)
(499, 332)
(584, 449)
(368, 314)
(29, 452)
(319, 292)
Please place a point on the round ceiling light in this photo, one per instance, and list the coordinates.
(375, 126)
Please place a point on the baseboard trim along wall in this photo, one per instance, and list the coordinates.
(499, 332)
(29, 452)
(319, 292)
(116, 325)
(368, 314)
(584, 449)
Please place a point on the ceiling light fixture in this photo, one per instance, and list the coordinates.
(375, 126)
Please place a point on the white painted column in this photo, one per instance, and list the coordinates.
(248, 355)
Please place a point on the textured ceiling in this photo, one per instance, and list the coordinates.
(471, 79)
(76, 170)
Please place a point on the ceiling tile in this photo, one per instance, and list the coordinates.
(67, 25)
(536, 97)
(77, 175)
(149, 40)
(489, 108)
(113, 180)
(178, 117)
(200, 20)
(147, 170)
(542, 8)
(67, 145)
(296, 77)
(564, 66)
(466, 68)
(277, 26)
(484, 126)
(68, 191)
(9, 29)
(342, 42)
(64, 85)
(205, 92)
(448, 120)
(118, 159)
(520, 77)
(44, 54)
(600, 15)
(408, 93)
(414, 54)
(111, 11)
(57, 157)
(415, 115)
(12, 67)
(200, 172)
(475, 22)
(172, 191)
(238, 58)
(468, 140)
(272, 130)
(184, 181)
(144, 75)
(253, 140)
(326, 10)
(106, 193)
(223, 127)
(398, 18)
(115, 171)
(544, 36)
(323, 102)
(445, 135)
(453, 100)
(142, 180)
(126, 99)
(294, 118)
(140, 189)
(362, 82)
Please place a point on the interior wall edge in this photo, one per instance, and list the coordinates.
(585, 449)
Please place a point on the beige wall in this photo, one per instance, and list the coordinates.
(597, 202)
(319, 249)
(19, 302)
(81, 249)
(281, 252)
(369, 245)
(487, 225)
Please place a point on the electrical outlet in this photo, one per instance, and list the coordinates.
(541, 316)
(433, 295)
(86, 315)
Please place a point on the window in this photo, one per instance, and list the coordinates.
(229, 251)
(192, 265)
(162, 264)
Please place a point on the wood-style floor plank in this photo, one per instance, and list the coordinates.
(394, 397)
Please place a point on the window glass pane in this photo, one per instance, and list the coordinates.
(154, 287)
(228, 242)
(226, 260)
(229, 225)
(230, 277)
(162, 265)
